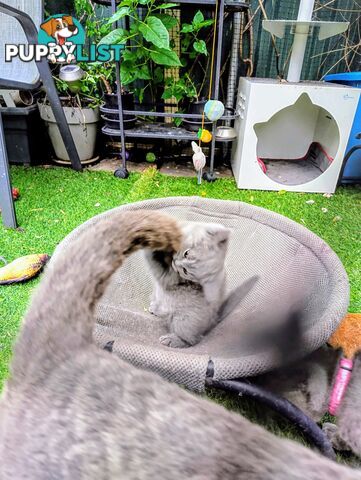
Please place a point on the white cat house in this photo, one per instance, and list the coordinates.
(291, 136)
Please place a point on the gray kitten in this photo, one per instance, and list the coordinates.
(73, 411)
(189, 288)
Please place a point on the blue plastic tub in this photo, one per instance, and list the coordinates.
(352, 171)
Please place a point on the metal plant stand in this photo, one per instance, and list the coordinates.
(163, 130)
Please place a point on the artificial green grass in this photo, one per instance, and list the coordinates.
(54, 201)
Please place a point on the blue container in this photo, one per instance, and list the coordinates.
(352, 171)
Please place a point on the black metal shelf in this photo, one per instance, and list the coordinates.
(164, 130)
(149, 113)
(153, 130)
(157, 130)
(235, 5)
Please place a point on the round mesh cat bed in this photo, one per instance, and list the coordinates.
(294, 266)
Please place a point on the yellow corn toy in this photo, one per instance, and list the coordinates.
(22, 268)
(204, 135)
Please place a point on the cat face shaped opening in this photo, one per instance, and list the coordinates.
(203, 251)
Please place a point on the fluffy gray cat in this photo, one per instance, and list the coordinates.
(308, 383)
(73, 411)
(189, 287)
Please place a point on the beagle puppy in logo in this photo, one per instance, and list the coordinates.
(61, 29)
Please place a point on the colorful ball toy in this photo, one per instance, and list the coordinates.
(214, 109)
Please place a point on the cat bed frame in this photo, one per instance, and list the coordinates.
(294, 266)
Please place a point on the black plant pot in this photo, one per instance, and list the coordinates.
(194, 124)
(111, 103)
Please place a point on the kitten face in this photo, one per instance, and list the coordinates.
(203, 251)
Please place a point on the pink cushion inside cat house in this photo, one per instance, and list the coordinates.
(294, 265)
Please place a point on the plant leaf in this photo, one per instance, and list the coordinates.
(143, 2)
(206, 23)
(167, 20)
(167, 94)
(127, 72)
(119, 35)
(155, 32)
(134, 28)
(198, 18)
(186, 28)
(120, 13)
(130, 55)
(139, 93)
(165, 57)
(200, 46)
(158, 75)
(143, 73)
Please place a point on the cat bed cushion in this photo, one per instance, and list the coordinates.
(294, 265)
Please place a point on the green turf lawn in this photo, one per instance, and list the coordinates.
(54, 201)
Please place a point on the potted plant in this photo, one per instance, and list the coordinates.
(148, 50)
(110, 107)
(80, 99)
(97, 28)
(148, 47)
(187, 90)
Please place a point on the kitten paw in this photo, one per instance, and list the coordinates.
(332, 433)
(173, 341)
(153, 309)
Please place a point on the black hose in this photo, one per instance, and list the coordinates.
(281, 406)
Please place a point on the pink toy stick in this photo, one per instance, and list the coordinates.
(343, 377)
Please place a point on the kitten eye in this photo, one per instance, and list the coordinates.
(185, 271)
(185, 254)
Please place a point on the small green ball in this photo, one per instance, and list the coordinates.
(150, 157)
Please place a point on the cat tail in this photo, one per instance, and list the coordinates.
(235, 297)
(60, 319)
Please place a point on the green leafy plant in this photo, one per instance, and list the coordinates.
(148, 46)
(179, 88)
(90, 15)
(90, 92)
(193, 49)
(190, 38)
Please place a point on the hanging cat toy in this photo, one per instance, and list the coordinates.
(213, 110)
(348, 338)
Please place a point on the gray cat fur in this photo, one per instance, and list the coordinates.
(349, 417)
(308, 383)
(189, 287)
(73, 411)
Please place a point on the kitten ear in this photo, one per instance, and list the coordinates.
(219, 234)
